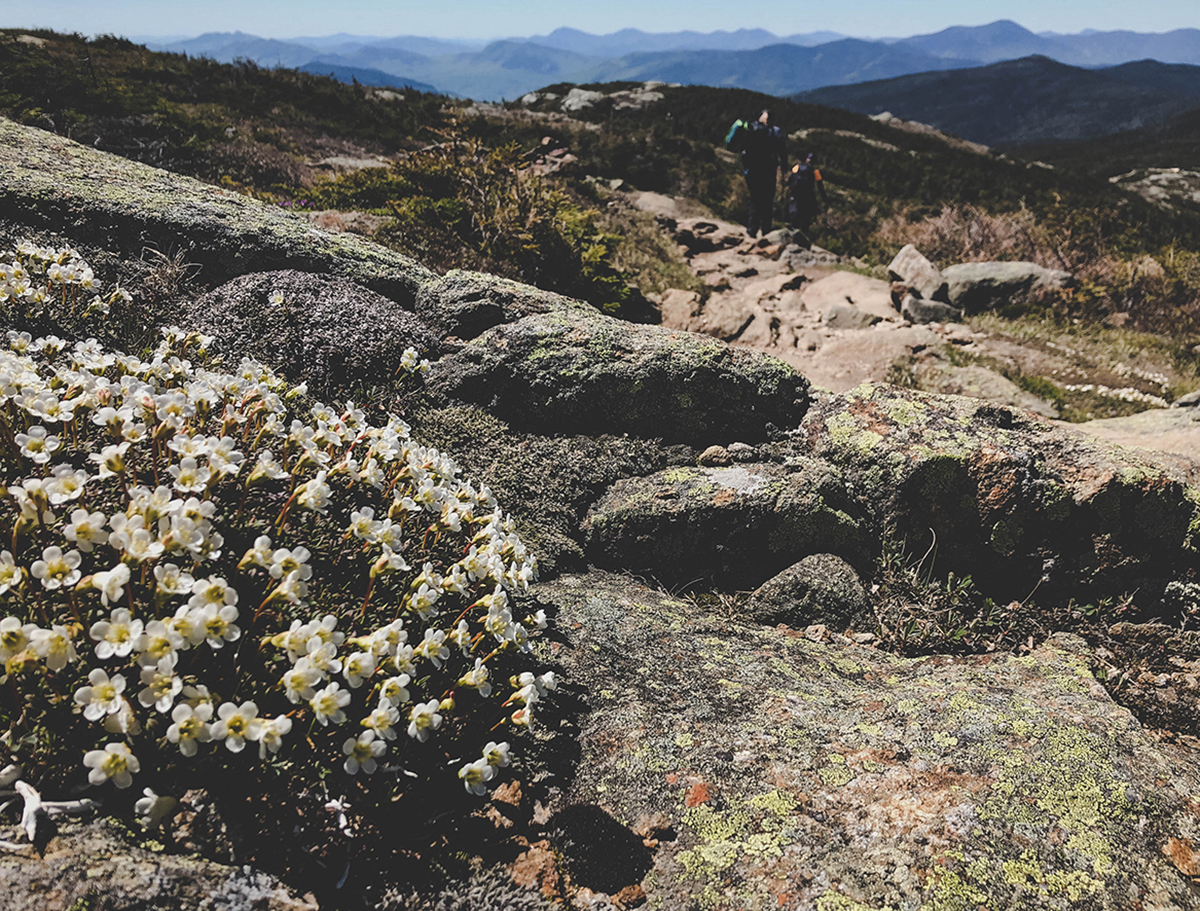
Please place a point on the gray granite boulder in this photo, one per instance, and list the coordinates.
(975, 287)
(821, 588)
(579, 371)
(734, 527)
(465, 304)
(329, 332)
(918, 310)
(918, 273)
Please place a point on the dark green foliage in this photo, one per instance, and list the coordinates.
(194, 115)
(460, 204)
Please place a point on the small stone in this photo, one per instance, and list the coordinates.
(742, 452)
(715, 456)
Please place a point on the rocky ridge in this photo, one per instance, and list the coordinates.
(730, 758)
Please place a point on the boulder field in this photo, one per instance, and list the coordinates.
(704, 751)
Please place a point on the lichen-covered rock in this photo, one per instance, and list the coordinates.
(821, 588)
(330, 332)
(767, 771)
(51, 183)
(98, 866)
(584, 372)
(464, 304)
(975, 287)
(1007, 497)
(735, 527)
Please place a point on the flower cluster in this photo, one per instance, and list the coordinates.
(200, 567)
(1128, 394)
(32, 277)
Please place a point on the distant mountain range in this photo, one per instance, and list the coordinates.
(747, 58)
(1034, 99)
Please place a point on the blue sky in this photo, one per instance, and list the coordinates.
(498, 18)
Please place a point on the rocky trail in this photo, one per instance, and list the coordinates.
(839, 328)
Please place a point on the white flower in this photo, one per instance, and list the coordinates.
(123, 721)
(37, 445)
(56, 569)
(285, 562)
(111, 585)
(358, 667)
(497, 753)
(117, 635)
(15, 637)
(65, 485)
(189, 476)
(153, 810)
(423, 720)
(115, 761)
(190, 726)
(161, 685)
(433, 647)
(172, 581)
(361, 753)
(387, 639)
(327, 704)
(54, 646)
(395, 689)
(158, 641)
(236, 725)
(299, 683)
(273, 732)
(86, 529)
(383, 720)
(102, 697)
(314, 494)
(212, 591)
(111, 459)
(11, 575)
(323, 657)
(218, 624)
(477, 678)
(188, 624)
(475, 776)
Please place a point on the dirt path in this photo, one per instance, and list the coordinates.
(840, 328)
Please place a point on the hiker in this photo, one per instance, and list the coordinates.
(804, 186)
(764, 152)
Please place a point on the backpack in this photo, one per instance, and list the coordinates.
(735, 139)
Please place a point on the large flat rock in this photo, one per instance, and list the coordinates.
(733, 767)
(1000, 493)
(53, 184)
(583, 372)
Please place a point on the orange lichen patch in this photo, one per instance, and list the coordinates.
(991, 469)
(1185, 858)
(902, 803)
(697, 794)
(630, 897)
(725, 496)
(864, 759)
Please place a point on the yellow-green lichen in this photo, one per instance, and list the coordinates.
(1027, 872)
(781, 803)
(835, 901)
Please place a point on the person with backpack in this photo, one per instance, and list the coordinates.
(804, 185)
(764, 152)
